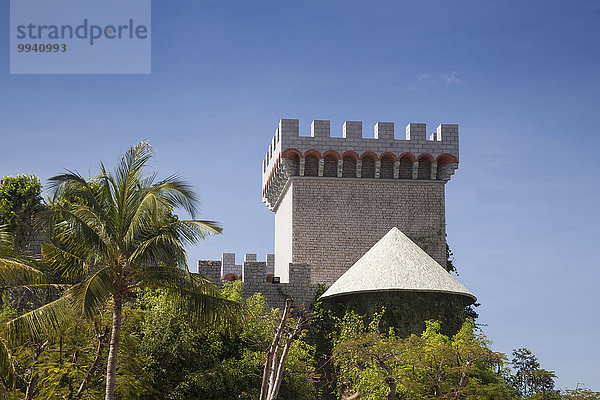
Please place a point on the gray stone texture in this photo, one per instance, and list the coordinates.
(334, 221)
(253, 275)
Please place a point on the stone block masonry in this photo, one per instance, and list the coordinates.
(32, 243)
(254, 278)
(231, 270)
(334, 221)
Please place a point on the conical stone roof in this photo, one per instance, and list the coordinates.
(396, 263)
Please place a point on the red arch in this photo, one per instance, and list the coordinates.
(332, 153)
(230, 277)
(350, 153)
(313, 153)
(427, 156)
(388, 154)
(289, 152)
(369, 154)
(446, 158)
(409, 155)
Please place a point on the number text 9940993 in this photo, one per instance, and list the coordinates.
(41, 48)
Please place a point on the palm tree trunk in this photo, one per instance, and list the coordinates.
(111, 368)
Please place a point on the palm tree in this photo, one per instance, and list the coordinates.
(116, 235)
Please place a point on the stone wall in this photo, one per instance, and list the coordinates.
(334, 221)
(32, 243)
(254, 279)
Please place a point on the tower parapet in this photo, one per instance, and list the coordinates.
(415, 157)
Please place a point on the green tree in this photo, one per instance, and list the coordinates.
(123, 236)
(580, 394)
(529, 379)
(184, 362)
(20, 200)
(430, 366)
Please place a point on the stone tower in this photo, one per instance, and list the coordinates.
(335, 197)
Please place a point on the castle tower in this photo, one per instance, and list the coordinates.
(335, 197)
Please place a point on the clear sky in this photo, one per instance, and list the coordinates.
(521, 78)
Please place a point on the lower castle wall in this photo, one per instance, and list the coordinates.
(337, 220)
(32, 243)
(254, 278)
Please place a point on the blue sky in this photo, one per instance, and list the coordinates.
(520, 78)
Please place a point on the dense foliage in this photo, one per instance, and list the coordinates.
(431, 365)
(375, 365)
(163, 355)
(188, 363)
(20, 200)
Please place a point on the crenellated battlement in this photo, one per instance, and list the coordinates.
(414, 157)
(257, 276)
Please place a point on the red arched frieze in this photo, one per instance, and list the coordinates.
(352, 154)
(444, 159)
(332, 153)
(290, 154)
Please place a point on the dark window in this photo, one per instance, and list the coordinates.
(349, 170)
(406, 166)
(368, 167)
(294, 164)
(424, 169)
(387, 168)
(330, 166)
(311, 166)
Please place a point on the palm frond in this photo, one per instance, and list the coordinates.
(79, 300)
(6, 242)
(7, 367)
(71, 261)
(178, 194)
(59, 287)
(14, 273)
(46, 319)
(167, 241)
(191, 231)
(61, 180)
(78, 220)
(163, 247)
(91, 293)
(205, 309)
(195, 297)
